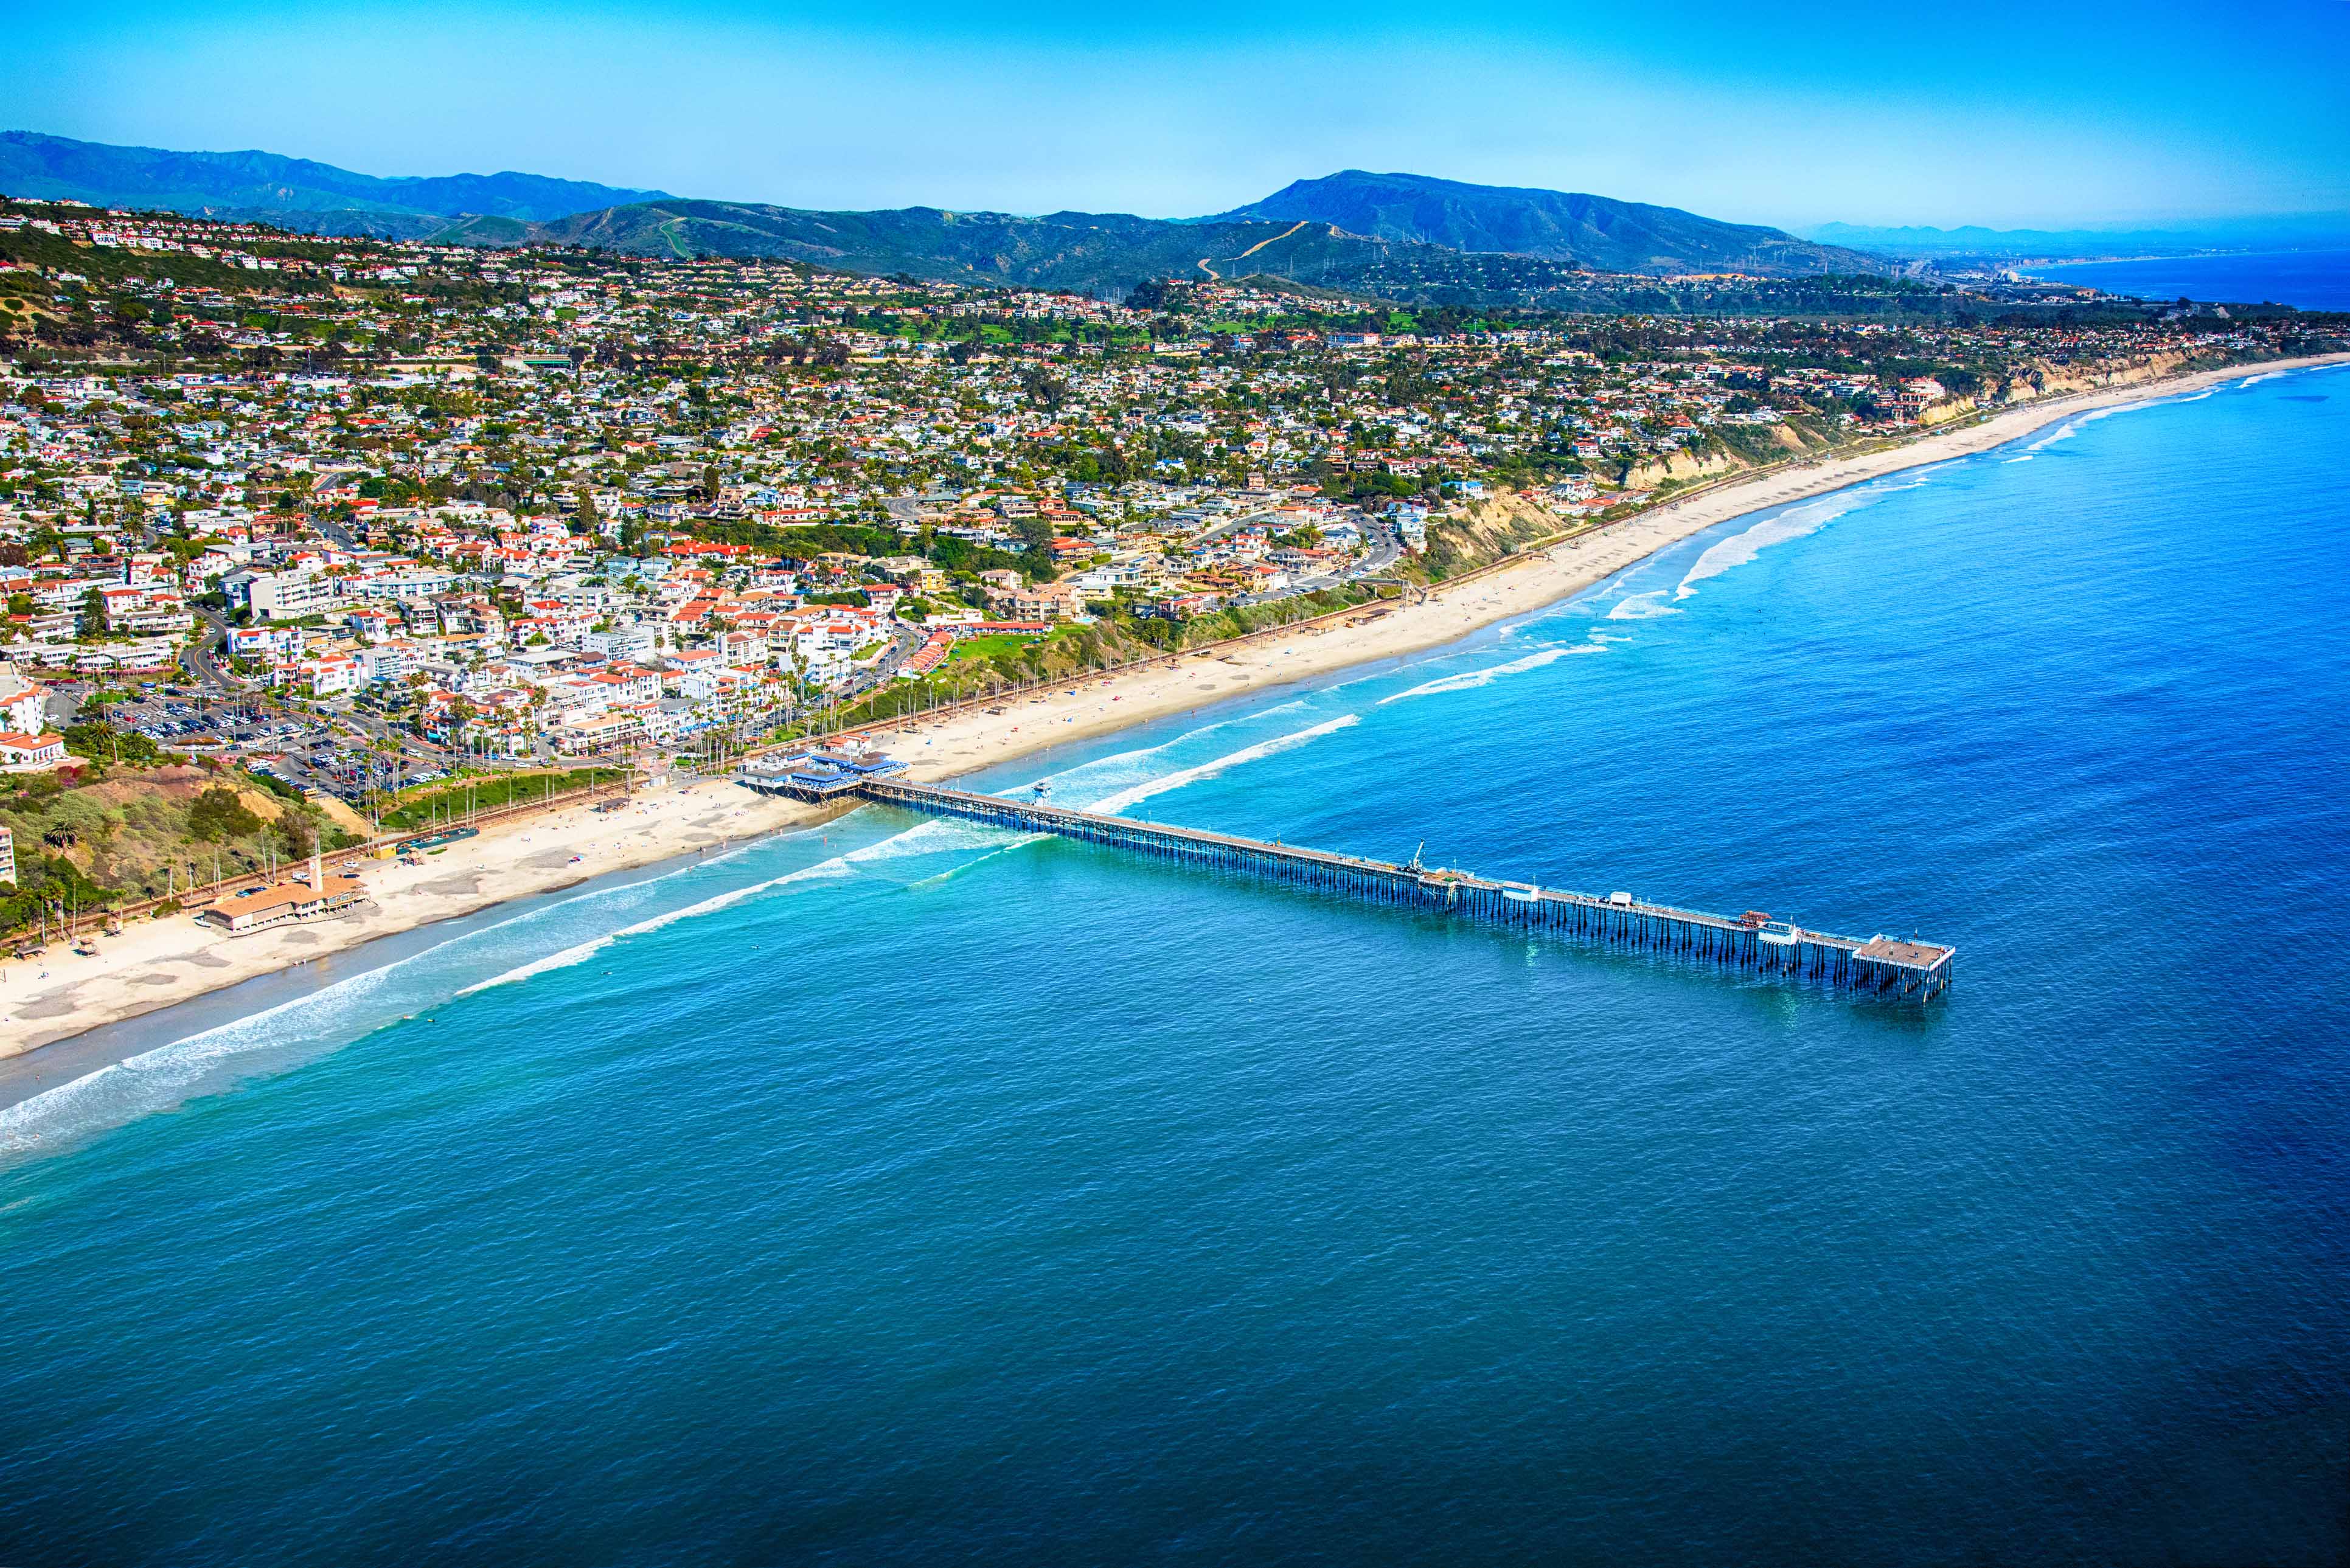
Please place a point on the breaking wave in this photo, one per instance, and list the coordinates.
(1121, 770)
(1646, 606)
(1472, 680)
(836, 866)
(1113, 804)
(1793, 524)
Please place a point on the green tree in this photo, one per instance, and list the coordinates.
(218, 814)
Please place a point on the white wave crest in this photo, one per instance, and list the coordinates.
(1473, 679)
(1793, 524)
(156, 1080)
(822, 870)
(1120, 770)
(940, 835)
(1111, 806)
(1642, 606)
(564, 960)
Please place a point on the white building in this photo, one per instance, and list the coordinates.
(289, 595)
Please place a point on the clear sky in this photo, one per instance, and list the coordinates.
(1782, 112)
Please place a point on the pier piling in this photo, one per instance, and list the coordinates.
(1878, 966)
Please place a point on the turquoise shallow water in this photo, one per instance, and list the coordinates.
(909, 1191)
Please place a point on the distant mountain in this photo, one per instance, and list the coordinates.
(1107, 253)
(1087, 253)
(1595, 232)
(1397, 237)
(265, 185)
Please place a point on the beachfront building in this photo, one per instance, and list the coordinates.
(285, 903)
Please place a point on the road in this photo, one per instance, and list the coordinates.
(1384, 548)
(201, 658)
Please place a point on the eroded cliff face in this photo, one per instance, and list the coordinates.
(1681, 466)
(1490, 528)
(1485, 530)
(2045, 380)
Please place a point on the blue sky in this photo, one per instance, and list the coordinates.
(1791, 114)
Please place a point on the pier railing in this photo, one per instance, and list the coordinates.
(1876, 965)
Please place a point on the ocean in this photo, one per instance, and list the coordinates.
(2309, 280)
(906, 1191)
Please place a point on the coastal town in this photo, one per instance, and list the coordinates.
(1499, 786)
(363, 529)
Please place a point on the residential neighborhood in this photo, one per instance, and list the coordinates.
(358, 514)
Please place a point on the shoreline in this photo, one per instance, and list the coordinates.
(156, 965)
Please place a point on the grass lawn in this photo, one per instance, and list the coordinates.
(438, 802)
(988, 646)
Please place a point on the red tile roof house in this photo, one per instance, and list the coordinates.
(30, 754)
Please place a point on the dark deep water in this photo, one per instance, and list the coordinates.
(2309, 280)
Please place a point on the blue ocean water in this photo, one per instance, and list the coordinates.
(907, 1192)
(2310, 280)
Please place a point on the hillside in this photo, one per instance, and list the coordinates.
(270, 188)
(1109, 254)
(1379, 237)
(1083, 251)
(1595, 232)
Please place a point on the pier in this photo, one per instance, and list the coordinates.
(1753, 942)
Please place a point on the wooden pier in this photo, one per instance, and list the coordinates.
(1879, 966)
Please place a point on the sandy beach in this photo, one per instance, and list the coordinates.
(154, 964)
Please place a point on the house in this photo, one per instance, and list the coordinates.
(1046, 601)
(23, 702)
(22, 754)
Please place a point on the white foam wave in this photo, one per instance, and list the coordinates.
(157, 1079)
(1111, 806)
(2263, 375)
(822, 870)
(1473, 679)
(1020, 842)
(1102, 776)
(1795, 522)
(940, 835)
(1642, 606)
(564, 960)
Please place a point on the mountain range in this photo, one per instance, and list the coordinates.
(1595, 232)
(264, 186)
(1394, 237)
